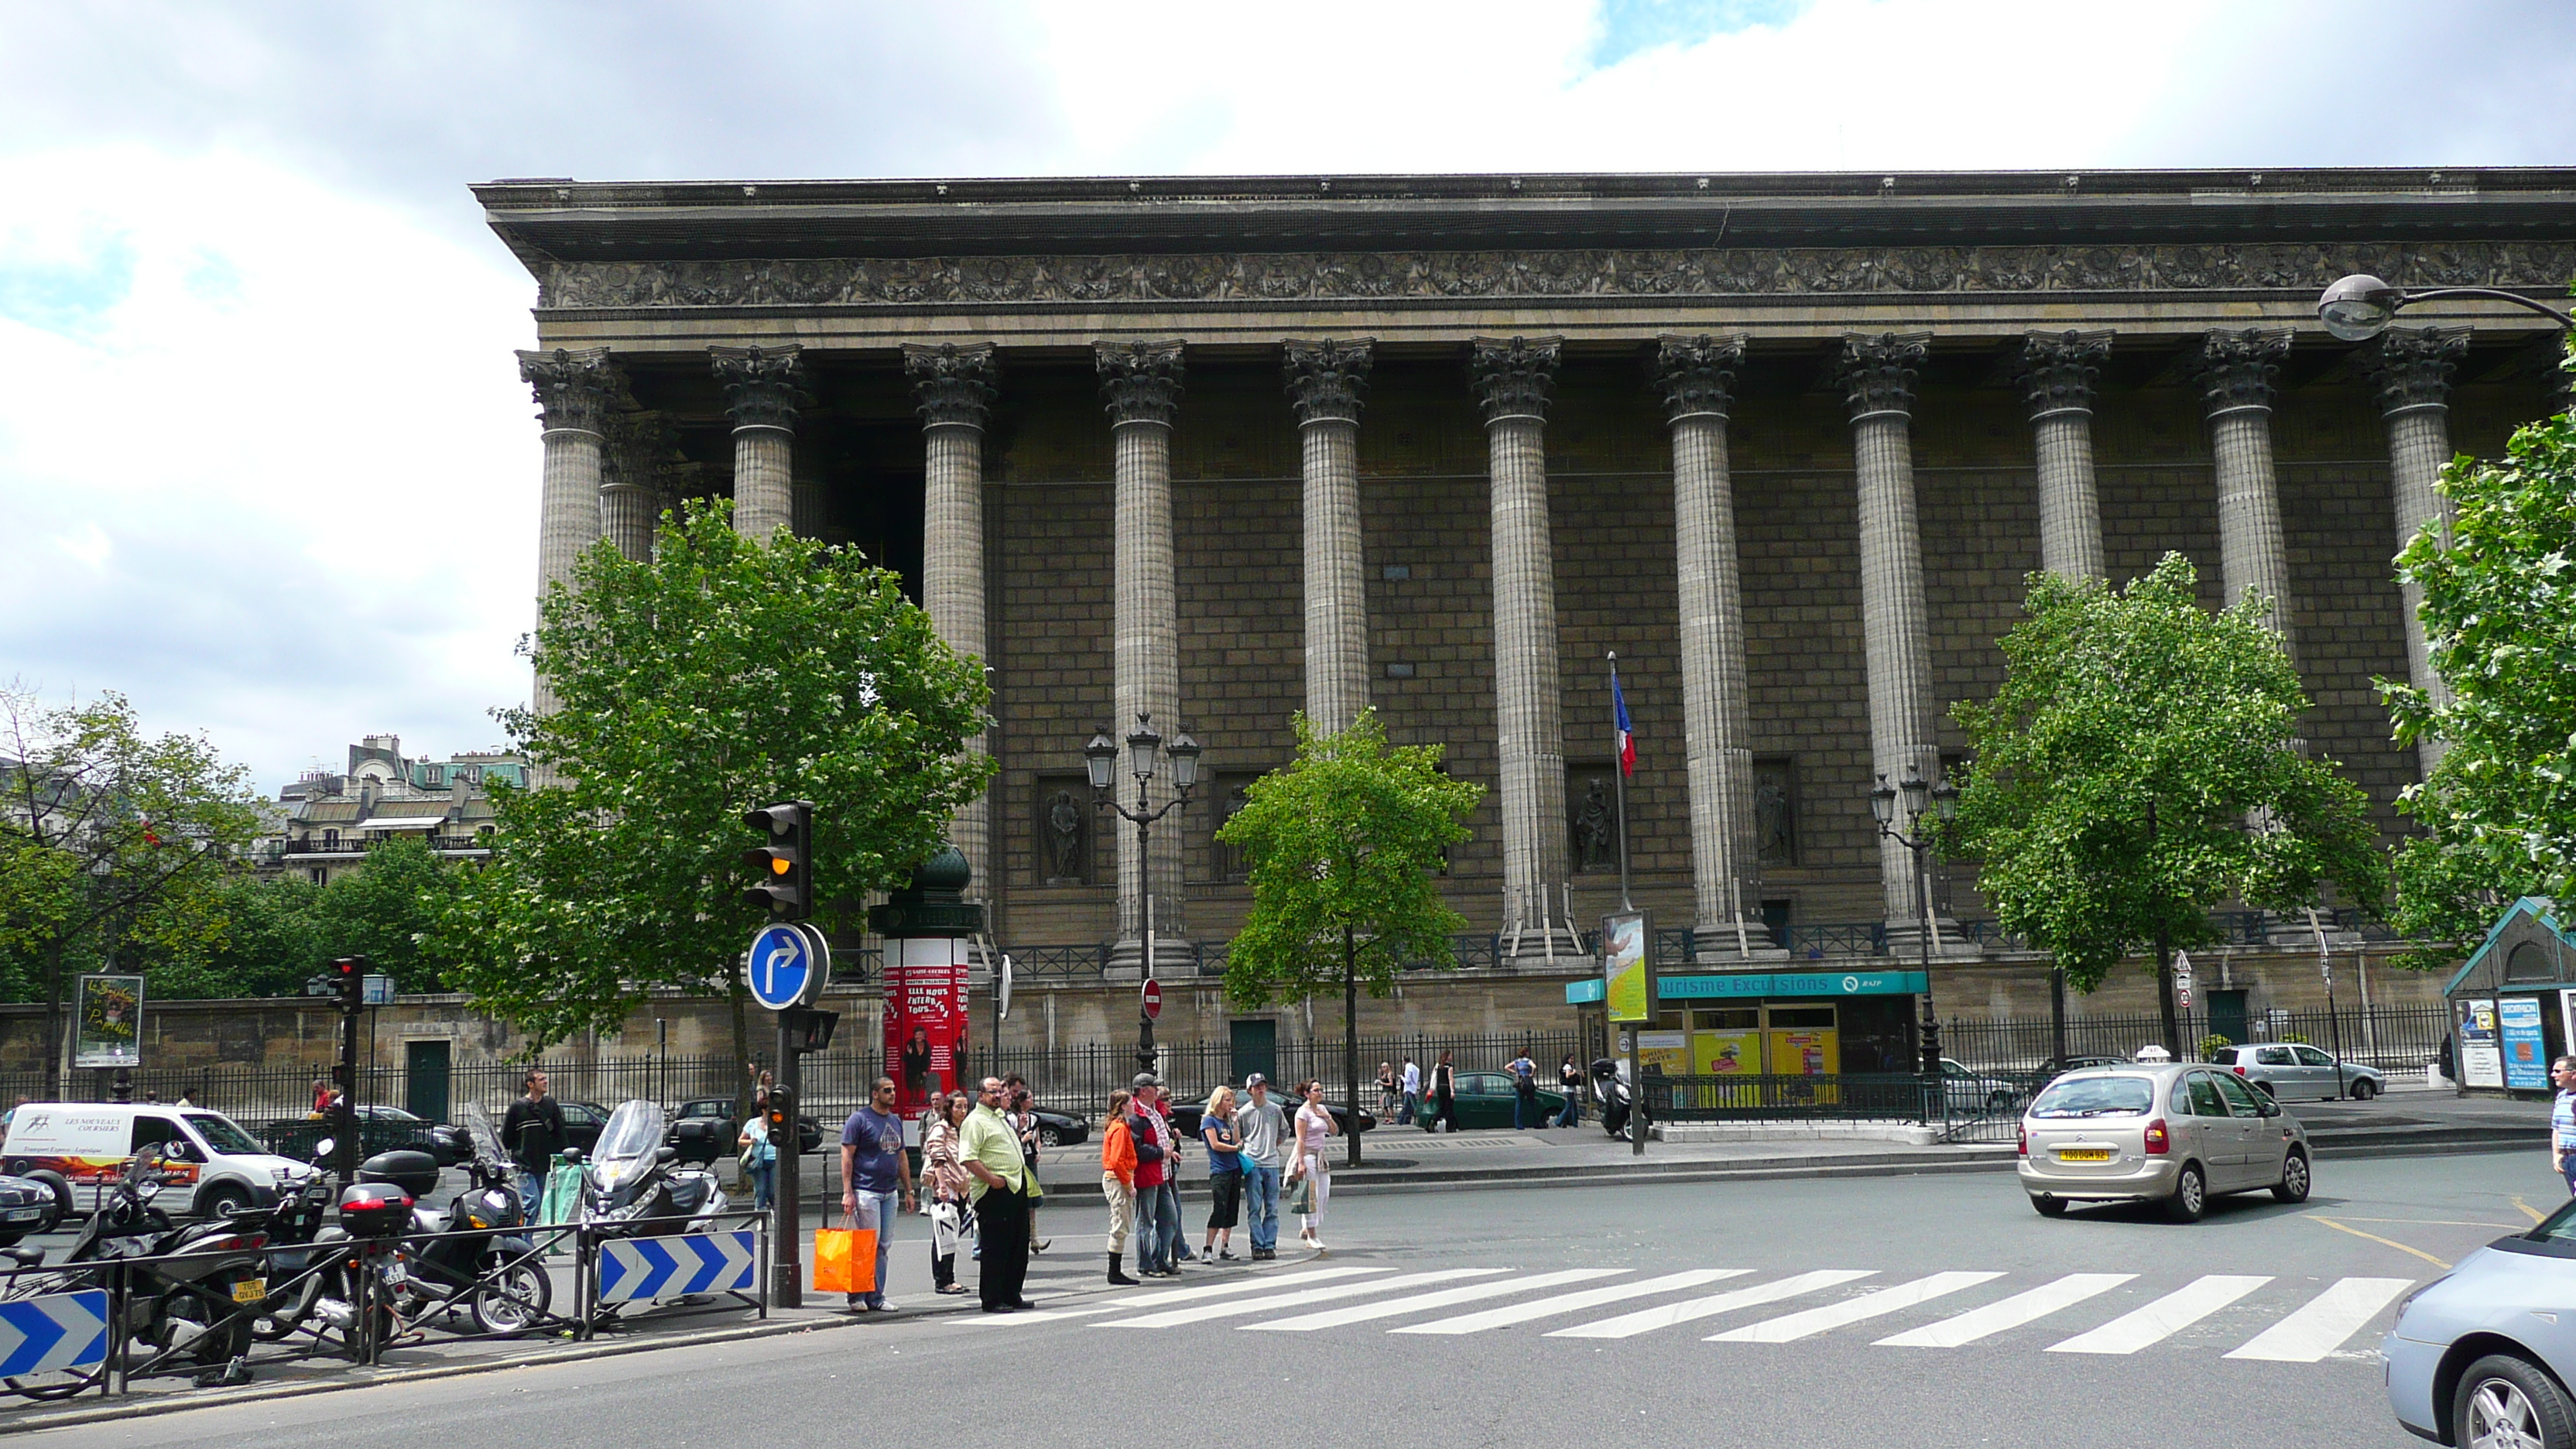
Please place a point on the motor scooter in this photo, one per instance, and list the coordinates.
(1618, 1103)
(475, 1259)
(631, 1187)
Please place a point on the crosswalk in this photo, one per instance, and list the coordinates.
(2107, 1314)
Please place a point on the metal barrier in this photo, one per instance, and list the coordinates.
(619, 1267)
(1957, 1109)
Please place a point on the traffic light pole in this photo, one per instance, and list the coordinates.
(344, 1114)
(787, 1259)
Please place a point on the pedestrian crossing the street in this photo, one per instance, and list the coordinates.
(2073, 1313)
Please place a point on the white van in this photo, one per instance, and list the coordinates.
(214, 1166)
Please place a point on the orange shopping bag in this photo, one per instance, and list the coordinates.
(845, 1260)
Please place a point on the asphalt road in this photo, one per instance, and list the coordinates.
(1789, 1273)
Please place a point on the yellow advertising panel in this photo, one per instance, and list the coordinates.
(1667, 1052)
(1628, 979)
(1806, 1052)
(1726, 1053)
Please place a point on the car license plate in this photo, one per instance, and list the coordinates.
(2084, 1154)
(250, 1290)
(23, 1215)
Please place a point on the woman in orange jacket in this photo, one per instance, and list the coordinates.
(1118, 1184)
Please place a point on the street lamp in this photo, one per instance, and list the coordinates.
(2360, 307)
(1100, 759)
(1943, 799)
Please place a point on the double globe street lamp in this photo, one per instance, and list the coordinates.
(1144, 746)
(1943, 802)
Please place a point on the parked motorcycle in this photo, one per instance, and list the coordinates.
(475, 1259)
(631, 1185)
(1618, 1102)
(301, 1242)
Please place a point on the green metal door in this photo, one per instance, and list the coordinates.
(2227, 1015)
(1256, 1048)
(425, 1080)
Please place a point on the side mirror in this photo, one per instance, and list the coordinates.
(2267, 1106)
(572, 1156)
(326, 1147)
(177, 1150)
(666, 1155)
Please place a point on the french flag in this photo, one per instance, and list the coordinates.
(1627, 736)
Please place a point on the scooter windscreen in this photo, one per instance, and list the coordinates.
(487, 1143)
(629, 1146)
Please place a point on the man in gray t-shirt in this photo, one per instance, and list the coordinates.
(1262, 1127)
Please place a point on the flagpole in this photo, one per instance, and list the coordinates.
(1619, 781)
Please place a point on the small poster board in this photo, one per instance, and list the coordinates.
(2526, 1058)
(107, 1022)
(2481, 1053)
(1628, 966)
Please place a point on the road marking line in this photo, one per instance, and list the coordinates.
(1336, 1317)
(2430, 1222)
(2166, 1316)
(1205, 1311)
(1505, 1317)
(1793, 1326)
(2321, 1325)
(2383, 1242)
(2529, 1211)
(2011, 1312)
(1629, 1325)
(1169, 1296)
(1043, 1315)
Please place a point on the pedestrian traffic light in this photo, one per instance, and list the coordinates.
(784, 867)
(349, 976)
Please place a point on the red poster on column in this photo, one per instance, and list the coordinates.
(925, 1020)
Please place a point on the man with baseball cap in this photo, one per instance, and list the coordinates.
(1262, 1126)
(1156, 1236)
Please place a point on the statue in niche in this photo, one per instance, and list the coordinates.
(1232, 863)
(1064, 839)
(1595, 847)
(1775, 829)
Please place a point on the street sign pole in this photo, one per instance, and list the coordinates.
(787, 1281)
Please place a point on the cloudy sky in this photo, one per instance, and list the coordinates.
(264, 463)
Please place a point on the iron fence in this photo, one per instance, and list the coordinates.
(2391, 1038)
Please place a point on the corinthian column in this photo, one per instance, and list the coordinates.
(2057, 373)
(1513, 379)
(1324, 380)
(763, 388)
(952, 388)
(1140, 385)
(2236, 372)
(1696, 376)
(573, 393)
(640, 448)
(2410, 369)
(1877, 374)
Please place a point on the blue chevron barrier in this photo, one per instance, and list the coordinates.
(53, 1332)
(640, 1269)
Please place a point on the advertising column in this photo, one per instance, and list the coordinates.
(928, 930)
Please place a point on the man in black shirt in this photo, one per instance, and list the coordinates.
(533, 1131)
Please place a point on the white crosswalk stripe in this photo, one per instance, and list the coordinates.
(1791, 1327)
(1564, 1303)
(1668, 1315)
(1201, 1313)
(2166, 1316)
(1265, 1283)
(2320, 1326)
(2011, 1312)
(1422, 1302)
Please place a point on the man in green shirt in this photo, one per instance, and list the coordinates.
(990, 1152)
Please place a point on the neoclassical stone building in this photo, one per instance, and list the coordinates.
(1223, 449)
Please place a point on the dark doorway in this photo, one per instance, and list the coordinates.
(1256, 1047)
(2227, 1015)
(425, 1080)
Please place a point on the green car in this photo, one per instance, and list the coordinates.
(1485, 1099)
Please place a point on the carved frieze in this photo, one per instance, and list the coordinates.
(1713, 272)
(573, 390)
(1696, 375)
(1514, 376)
(1876, 371)
(2058, 369)
(1325, 378)
(952, 386)
(2237, 369)
(1140, 382)
(763, 386)
(2410, 367)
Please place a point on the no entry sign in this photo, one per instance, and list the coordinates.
(1153, 998)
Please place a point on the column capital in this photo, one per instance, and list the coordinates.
(2236, 370)
(642, 446)
(574, 390)
(1325, 377)
(1876, 373)
(1140, 382)
(2410, 367)
(2057, 370)
(1696, 375)
(1513, 376)
(763, 386)
(952, 386)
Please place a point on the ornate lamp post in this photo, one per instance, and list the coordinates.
(1100, 758)
(1944, 802)
(2360, 307)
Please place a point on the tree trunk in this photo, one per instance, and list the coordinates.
(741, 1051)
(2165, 995)
(54, 1019)
(1351, 1037)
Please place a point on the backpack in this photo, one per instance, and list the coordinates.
(1521, 1078)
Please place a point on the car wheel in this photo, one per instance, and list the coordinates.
(223, 1201)
(1051, 1136)
(2269, 1090)
(2049, 1207)
(61, 1187)
(2190, 1196)
(2294, 1183)
(2505, 1403)
(2364, 1090)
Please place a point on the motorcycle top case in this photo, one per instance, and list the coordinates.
(415, 1172)
(375, 1209)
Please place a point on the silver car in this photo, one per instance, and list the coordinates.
(2479, 1357)
(2295, 1071)
(2177, 1132)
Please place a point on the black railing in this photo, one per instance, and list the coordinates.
(2391, 1038)
(1843, 1097)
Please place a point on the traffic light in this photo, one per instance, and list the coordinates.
(349, 977)
(785, 866)
(778, 1111)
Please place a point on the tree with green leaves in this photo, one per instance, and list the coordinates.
(1345, 848)
(2139, 768)
(724, 674)
(2498, 812)
(113, 843)
(277, 933)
